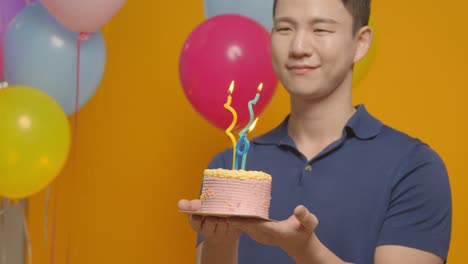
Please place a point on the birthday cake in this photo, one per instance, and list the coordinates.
(236, 192)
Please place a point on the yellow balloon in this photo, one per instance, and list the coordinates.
(361, 68)
(34, 141)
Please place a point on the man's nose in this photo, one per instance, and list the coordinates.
(301, 45)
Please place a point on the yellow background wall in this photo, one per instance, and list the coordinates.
(142, 147)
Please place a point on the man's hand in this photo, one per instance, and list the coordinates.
(220, 239)
(294, 235)
(213, 229)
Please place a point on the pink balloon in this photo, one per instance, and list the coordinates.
(222, 49)
(83, 15)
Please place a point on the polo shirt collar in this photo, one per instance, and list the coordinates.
(364, 125)
(361, 125)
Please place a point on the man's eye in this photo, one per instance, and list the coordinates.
(320, 30)
(283, 29)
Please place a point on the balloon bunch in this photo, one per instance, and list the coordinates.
(53, 56)
(228, 46)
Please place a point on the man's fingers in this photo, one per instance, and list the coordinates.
(307, 219)
(184, 205)
(195, 205)
(196, 222)
(225, 226)
(208, 225)
(246, 224)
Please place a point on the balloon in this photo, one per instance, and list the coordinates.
(362, 67)
(8, 10)
(83, 15)
(41, 53)
(1, 61)
(34, 142)
(222, 49)
(259, 10)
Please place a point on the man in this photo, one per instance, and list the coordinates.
(380, 196)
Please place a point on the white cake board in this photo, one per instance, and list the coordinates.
(225, 214)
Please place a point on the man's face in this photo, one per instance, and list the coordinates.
(313, 46)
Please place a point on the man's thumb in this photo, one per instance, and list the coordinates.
(305, 218)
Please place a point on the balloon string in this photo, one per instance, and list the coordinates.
(46, 214)
(3, 256)
(81, 37)
(26, 233)
(54, 229)
(2, 34)
(2, 209)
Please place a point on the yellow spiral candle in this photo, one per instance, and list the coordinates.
(227, 106)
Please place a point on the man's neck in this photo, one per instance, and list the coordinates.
(313, 125)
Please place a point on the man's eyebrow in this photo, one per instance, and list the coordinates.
(285, 19)
(325, 20)
(313, 21)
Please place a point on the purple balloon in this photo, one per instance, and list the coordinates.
(8, 10)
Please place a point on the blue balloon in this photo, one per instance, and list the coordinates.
(259, 10)
(40, 52)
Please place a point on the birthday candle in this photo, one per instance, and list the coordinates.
(247, 145)
(227, 106)
(251, 112)
(249, 127)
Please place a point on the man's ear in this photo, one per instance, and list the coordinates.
(364, 40)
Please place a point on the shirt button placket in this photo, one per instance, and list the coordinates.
(304, 173)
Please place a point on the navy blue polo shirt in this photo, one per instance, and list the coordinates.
(374, 186)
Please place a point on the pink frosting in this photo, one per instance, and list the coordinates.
(235, 196)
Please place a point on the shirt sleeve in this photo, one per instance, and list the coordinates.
(419, 213)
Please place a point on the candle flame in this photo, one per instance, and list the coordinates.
(252, 126)
(231, 87)
(260, 87)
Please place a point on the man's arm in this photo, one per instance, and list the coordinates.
(221, 240)
(297, 238)
(388, 254)
(217, 253)
(392, 254)
(198, 254)
(294, 235)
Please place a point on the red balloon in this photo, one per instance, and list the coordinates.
(222, 49)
